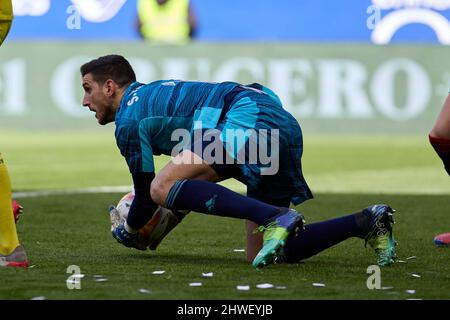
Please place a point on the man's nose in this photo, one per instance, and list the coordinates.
(86, 102)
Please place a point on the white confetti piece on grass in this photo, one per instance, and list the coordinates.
(320, 285)
(73, 281)
(39, 298)
(101, 280)
(239, 250)
(264, 286)
(32, 266)
(143, 290)
(208, 274)
(402, 261)
(387, 288)
(415, 275)
(410, 258)
(410, 291)
(158, 272)
(243, 288)
(195, 284)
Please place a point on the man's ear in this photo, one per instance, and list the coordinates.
(110, 87)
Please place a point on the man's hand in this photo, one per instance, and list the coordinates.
(115, 217)
(120, 234)
(162, 222)
(128, 239)
(17, 210)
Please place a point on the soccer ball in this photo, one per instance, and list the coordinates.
(161, 222)
(124, 205)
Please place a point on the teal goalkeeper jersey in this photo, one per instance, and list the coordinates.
(149, 113)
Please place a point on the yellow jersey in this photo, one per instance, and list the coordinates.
(6, 17)
(164, 23)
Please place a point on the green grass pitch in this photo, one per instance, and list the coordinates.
(346, 174)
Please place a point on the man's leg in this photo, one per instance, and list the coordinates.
(187, 183)
(184, 184)
(319, 236)
(11, 253)
(439, 136)
(374, 224)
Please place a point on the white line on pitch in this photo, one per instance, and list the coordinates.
(43, 193)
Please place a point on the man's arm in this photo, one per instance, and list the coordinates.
(143, 207)
(135, 141)
(141, 211)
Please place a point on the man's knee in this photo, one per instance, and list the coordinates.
(438, 132)
(159, 189)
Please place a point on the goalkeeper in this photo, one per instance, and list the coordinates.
(147, 119)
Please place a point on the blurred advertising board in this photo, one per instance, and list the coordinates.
(327, 87)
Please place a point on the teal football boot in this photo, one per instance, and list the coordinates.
(380, 236)
(275, 234)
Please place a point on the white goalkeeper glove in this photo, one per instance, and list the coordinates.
(156, 229)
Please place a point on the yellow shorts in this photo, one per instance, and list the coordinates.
(6, 17)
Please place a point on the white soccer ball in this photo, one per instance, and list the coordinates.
(124, 204)
(153, 231)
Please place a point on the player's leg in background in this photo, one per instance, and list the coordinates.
(440, 135)
(11, 253)
(8, 235)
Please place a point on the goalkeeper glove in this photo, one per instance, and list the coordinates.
(128, 239)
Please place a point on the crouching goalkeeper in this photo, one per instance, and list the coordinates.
(148, 119)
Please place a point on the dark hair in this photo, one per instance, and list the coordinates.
(113, 67)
